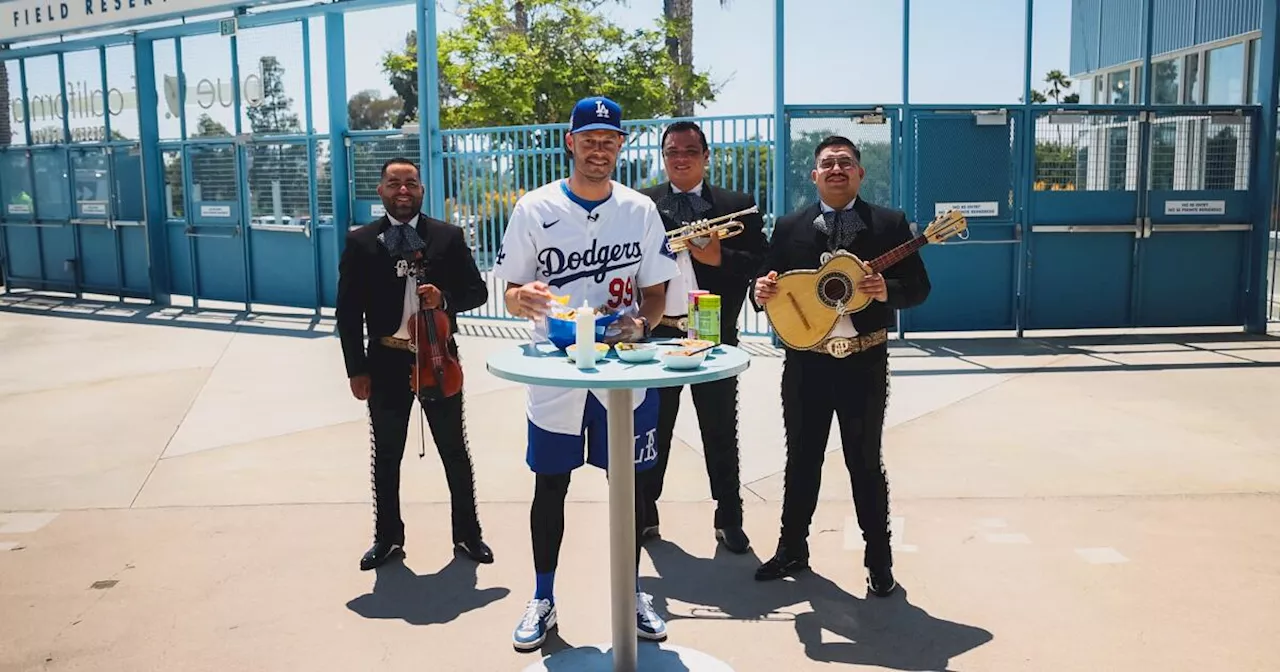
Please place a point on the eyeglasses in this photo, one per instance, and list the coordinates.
(843, 163)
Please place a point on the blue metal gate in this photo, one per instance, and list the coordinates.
(1139, 219)
(967, 159)
(72, 219)
(205, 222)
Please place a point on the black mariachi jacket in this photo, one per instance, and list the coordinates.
(741, 255)
(369, 291)
(798, 244)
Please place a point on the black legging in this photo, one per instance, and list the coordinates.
(546, 519)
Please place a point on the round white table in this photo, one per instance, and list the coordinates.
(544, 364)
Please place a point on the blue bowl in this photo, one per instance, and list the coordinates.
(563, 333)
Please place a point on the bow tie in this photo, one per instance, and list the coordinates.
(841, 227)
(683, 207)
(401, 240)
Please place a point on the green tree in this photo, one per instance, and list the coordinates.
(877, 159)
(368, 111)
(275, 113)
(503, 67)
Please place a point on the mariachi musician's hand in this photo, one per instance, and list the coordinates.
(709, 255)
(766, 287)
(430, 296)
(360, 386)
(873, 285)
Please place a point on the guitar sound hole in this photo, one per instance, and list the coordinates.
(835, 289)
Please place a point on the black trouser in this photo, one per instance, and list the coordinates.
(390, 402)
(716, 404)
(855, 389)
(546, 519)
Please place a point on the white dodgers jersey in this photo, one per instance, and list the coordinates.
(603, 257)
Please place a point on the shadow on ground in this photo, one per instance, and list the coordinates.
(425, 599)
(886, 632)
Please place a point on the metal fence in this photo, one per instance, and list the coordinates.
(487, 169)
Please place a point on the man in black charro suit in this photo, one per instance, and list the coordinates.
(848, 374)
(720, 267)
(374, 289)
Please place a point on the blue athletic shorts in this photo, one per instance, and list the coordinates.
(552, 453)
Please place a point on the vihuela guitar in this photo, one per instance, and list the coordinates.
(810, 301)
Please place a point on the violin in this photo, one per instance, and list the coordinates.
(436, 373)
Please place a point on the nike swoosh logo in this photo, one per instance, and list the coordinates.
(547, 225)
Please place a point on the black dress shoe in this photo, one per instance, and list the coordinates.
(880, 581)
(380, 552)
(780, 565)
(476, 549)
(734, 539)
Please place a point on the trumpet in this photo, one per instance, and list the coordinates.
(678, 239)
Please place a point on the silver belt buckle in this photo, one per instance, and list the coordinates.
(839, 347)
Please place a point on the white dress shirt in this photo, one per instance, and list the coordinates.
(844, 325)
(687, 281)
(410, 290)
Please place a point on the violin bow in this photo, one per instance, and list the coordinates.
(419, 273)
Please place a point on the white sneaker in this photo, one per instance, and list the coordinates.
(539, 618)
(649, 624)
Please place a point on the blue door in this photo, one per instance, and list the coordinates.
(1193, 256)
(109, 221)
(40, 241)
(23, 265)
(1086, 220)
(967, 160)
(1139, 219)
(284, 267)
(212, 225)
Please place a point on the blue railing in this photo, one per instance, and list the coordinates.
(487, 169)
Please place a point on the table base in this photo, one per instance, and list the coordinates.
(651, 657)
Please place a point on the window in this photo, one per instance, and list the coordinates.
(1191, 93)
(1164, 83)
(1255, 62)
(1224, 69)
(1118, 84)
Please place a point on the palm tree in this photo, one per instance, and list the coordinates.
(1057, 82)
(680, 49)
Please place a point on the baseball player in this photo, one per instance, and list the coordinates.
(593, 239)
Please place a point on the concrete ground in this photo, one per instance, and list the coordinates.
(189, 490)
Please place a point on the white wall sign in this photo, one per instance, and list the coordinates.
(25, 19)
(377, 210)
(969, 208)
(1195, 207)
(215, 211)
(99, 209)
(19, 209)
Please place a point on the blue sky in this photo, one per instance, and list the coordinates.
(837, 52)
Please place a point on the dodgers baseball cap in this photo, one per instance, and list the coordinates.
(596, 113)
